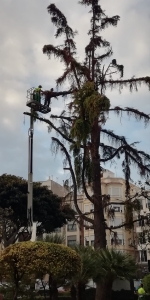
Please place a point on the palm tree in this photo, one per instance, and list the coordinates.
(111, 265)
(81, 279)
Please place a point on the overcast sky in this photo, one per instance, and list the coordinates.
(25, 29)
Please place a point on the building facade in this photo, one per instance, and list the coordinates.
(115, 187)
(55, 187)
(128, 241)
(142, 233)
(74, 232)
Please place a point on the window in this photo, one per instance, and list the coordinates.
(112, 222)
(115, 222)
(92, 243)
(115, 191)
(92, 240)
(116, 208)
(117, 240)
(71, 240)
(71, 226)
(87, 243)
(142, 238)
(86, 208)
(141, 222)
(148, 218)
(92, 207)
(148, 204)
(120, 239)
(143, 255)
(140, 201)
(87, 224)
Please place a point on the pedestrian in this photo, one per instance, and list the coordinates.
(141, 292)
(37, 93)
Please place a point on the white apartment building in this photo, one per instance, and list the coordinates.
(142, 232)
(55, 187)
(71, 231)
(115, 187)
(126, 241)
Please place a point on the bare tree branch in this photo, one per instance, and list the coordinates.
(64, 93)
(124, 224)
(142, 167)
(83, 180)
(120, 202)
(51, 125)
(132, 83)
(139, 115)
(74, 181)
(113, 155)
(62, 117)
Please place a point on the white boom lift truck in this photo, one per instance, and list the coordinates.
(34, 101)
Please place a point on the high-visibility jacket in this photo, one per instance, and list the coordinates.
(141, 291)
(37, 90)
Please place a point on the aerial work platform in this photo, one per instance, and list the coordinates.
(37, 104)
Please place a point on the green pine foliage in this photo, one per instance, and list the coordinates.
(88, 105)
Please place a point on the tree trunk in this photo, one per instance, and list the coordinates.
(99, 223)
(44, 292)
(16, 293)
(80, 291)
(82, 232)
(73, 293)
(50, 293)
(54, 291)
(50, 287)
(104, 290)
(132, 288)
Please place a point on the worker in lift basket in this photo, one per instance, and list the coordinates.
(48, 95)
(141, 292)
(37, 93)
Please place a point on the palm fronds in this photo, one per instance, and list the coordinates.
(114, 264)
